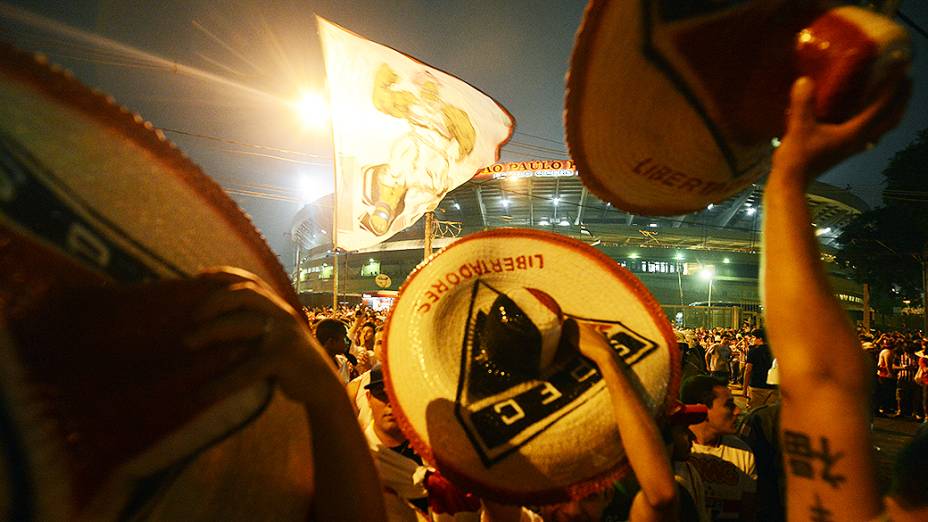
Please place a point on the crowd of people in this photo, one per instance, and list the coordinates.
(901, 389)
(728, 462)
(803, 450)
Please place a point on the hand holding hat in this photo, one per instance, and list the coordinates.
(485, 376)
(674, 105)
(819, 145)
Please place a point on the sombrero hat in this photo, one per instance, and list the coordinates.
(674, 105)
(482, 376)
(101, 223)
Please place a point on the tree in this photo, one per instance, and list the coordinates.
(887, 247)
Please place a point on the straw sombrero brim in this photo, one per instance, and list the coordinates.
(565, 449)
(94, 200)
(642, 132)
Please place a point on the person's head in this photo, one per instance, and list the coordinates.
(722, 414)
(378, 345)
(759, 336)
(676, 432)
(332, 334)
(366, 335)
(385, 423)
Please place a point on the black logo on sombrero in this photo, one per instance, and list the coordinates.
(45, 208)
(504, 397)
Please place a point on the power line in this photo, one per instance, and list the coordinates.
(559, 142)
(911, 23)
(244, 144)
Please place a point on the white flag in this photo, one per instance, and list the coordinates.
(405, 134)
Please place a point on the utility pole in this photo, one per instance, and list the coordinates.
(866, 316)
(924, 261)
(427, 251)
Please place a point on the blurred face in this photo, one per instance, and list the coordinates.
(723, 413)
(367, 336)
(336, 345)
(378, 344)
(382, 412)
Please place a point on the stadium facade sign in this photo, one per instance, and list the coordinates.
(528, 169)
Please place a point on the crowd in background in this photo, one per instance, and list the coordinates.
(718, 366)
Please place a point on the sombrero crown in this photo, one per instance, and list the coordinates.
(484, 374)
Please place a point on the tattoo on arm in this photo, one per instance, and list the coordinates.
(801, 455)
(819, 513)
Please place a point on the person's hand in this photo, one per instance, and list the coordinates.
(593, 345)
(245, 311)
(810, 147)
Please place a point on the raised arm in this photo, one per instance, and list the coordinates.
(824, 381)
(645, 450)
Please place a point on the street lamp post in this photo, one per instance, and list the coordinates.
(708, 274)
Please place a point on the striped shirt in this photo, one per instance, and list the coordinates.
(906, 374)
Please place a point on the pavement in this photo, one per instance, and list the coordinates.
(889, 437)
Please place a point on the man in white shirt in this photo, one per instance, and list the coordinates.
(725, 463)
(412, 490)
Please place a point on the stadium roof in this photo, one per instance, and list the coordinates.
(559, 202)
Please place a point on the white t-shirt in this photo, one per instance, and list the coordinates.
(402, 479)
(728, 472)
(341, 363)
(360, 399)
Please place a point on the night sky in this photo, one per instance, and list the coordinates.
(220, 78)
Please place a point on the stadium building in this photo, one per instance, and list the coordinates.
(702, 267)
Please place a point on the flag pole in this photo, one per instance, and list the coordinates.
(328, 88)
(335, 234)
(427, 251)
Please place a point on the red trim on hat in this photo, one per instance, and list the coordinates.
(687, 414)
(547, 301)
(574, 491)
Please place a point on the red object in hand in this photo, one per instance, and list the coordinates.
(849, 52)
(445, 497)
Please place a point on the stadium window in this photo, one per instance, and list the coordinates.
(370, 269)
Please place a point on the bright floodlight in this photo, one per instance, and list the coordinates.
(310, 189)
(707, 273)
(679, 256)
(822, 231)
(751, 211)
(313, 110)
